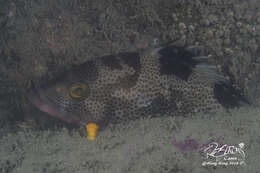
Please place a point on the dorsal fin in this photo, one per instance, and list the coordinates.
(179, 61)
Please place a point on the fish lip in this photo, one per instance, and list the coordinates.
(43, 104)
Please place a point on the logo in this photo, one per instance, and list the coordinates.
(225, 155)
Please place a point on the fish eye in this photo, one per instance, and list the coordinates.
(79, 91)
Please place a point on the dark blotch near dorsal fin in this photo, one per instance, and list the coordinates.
(112, 62)
(228, 96)
(132, 59)
(177, 61)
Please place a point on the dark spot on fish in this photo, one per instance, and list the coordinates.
(228, 96)
(176, 61)
(159, 106)
(132, 59)
(112, 62)
(87, 71)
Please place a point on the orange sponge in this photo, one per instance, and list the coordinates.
(91, 129)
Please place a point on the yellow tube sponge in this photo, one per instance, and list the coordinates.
(91, 129)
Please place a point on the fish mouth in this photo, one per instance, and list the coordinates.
(45, 105)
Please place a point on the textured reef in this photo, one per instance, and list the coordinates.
(40, 40)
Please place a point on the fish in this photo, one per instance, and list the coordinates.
(168, 79)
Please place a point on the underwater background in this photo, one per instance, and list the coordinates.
(41, 39)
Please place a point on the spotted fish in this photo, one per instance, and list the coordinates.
(166, 80)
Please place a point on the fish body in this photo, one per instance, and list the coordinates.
(167, 80)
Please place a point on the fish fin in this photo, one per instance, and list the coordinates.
(181, 62)
(209, 73)
(229, 96)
